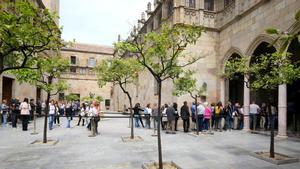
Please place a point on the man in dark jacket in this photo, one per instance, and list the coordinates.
(185, 115)
(171, 119)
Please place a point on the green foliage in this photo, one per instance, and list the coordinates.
(71, 97)
(48, 67)
(186, 84)
(26, 31)
(91, 98)
(161, 51)
(117, 70)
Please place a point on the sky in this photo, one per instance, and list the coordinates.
(99, 21)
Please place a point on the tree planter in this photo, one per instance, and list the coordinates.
(278, 160)
(166, 165)
(135, 139)
(49, 142)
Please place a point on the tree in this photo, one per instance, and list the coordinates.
(92, 97)
(49, 68)
(270, 70)
(71, 97)
(185, 84)
(159, 52)
(25, 31)
(120, 72)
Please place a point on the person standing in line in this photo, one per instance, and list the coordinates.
(228, 116)
(38, 107)
(193, 110)
(95, 113)
(175, 106)
(137, 115)
(14, 113)
(155, 116)
(148, 113)
(218, 112)
(200, 111)
(207, 116)
(164, 118)
(263, 117)
(254, 110)
(57, 113)
(25, 113)
(171, 119)
(82, 114)
(185, 115)
(69, 114)
(51, 114)
(4, 111)
(32, 111)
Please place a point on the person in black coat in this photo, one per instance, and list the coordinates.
(185, 115)
(171, 119)
(137, 115)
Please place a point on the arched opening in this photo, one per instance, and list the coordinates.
(235, 86)
(293, 92)
(261, 96)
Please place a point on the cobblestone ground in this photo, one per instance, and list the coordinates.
(75, 150)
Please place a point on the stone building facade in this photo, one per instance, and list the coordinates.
(233, 28)
(9, 86)
(81, 77)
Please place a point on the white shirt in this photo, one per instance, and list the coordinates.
(200, 109)
(25, 108)
(254, 109)
(51, 109)
(93, 111)
(148, 111)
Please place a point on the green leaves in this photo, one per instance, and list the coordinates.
(160, 52)
(47, 67)
(26, 31)
(272, 31)
(117, 70)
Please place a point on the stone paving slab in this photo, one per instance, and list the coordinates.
(75, 150)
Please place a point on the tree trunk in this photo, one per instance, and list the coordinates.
(196, 115)
(131, 118)
(158, 127)
(272, 132)
(46, 112)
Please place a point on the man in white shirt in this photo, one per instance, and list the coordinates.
(254, 110)
(200, 111)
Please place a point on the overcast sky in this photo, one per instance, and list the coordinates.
(99, 21)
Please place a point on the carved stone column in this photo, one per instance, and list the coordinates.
(246, 106)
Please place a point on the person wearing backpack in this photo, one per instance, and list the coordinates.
(218, 116)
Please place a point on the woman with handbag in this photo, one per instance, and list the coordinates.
(95, 113)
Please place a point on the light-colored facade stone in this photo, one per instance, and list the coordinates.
(239, 27)
(81, 77)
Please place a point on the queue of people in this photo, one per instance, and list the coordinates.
(214, 116)
(14, 111)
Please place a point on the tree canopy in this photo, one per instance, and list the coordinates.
(26, 31)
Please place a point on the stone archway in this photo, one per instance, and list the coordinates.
(293, 91)
(261, 96)
(234, 88)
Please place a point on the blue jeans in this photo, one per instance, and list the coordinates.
(229, 122)
(136, 120)
(69, 122)
(51, 119)
(4, 117)
(206, 124)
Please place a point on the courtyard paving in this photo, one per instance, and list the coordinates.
(75, 150)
